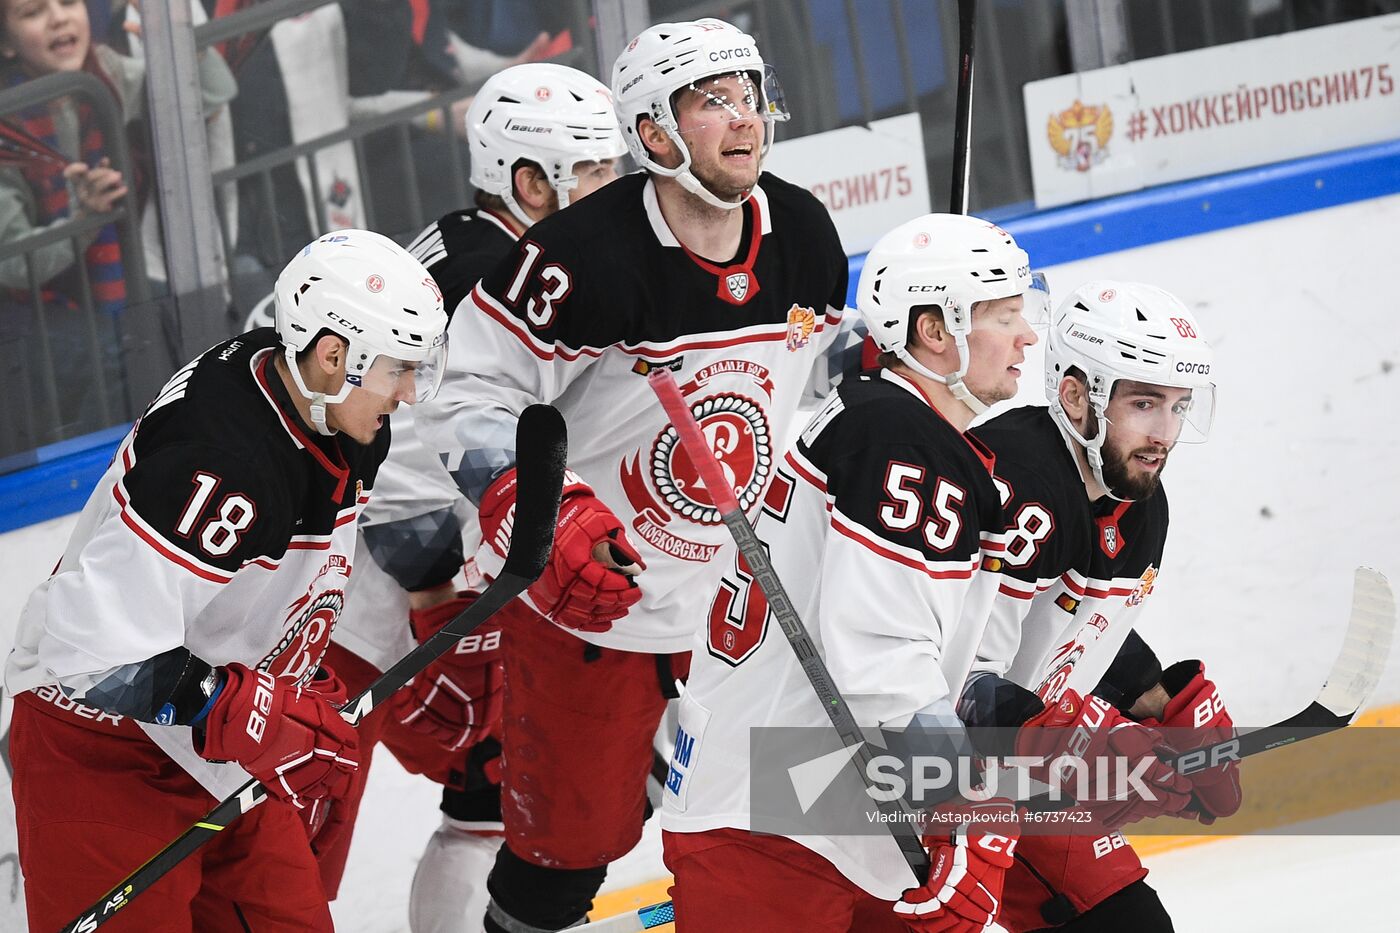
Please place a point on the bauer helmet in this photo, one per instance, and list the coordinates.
(372, 293)
(1111, 331)
(551, 115)
(952, 261)
(671, 56)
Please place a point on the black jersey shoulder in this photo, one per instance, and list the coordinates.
(1037, 472)
(882, 441)
(460, 248)
(214, 419)
(614, 281)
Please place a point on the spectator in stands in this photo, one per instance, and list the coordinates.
(55, 165)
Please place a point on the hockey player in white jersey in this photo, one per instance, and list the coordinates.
(733, 279)
(1129, 376)
(540, 136)
(176, 648)
(884, 523)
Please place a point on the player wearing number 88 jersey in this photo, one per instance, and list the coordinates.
(177, 647)
(1128, 376)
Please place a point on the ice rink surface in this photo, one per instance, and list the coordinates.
(1296, 487)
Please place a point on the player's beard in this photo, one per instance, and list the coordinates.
(1118, 473)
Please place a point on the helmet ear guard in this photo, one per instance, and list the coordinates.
(377, 298)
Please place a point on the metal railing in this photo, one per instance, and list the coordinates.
(133, 336)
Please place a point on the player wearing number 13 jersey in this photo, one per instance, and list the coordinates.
(884, 524)
(735, 281)
(177, 647)
(1128, 377)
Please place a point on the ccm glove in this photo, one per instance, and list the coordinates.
(457, 698)
(291, 739)
(1088, 729)
(970, 852)
(1196, 717)
(575, 590)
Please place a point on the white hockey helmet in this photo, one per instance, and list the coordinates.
(1112, 331)
(670, 56)
(372, 293)
(950, 260)
(549, 114)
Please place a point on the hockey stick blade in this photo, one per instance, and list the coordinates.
(541, 445)
(1353, 677)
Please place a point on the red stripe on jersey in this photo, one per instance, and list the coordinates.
(164, 550)
(854, 533)
(806, 474)
(1008, 591)
(1091, 592)
(488, 305)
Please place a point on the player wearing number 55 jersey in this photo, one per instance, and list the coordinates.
(882, 521)
(176, 649)
(733, 280)
(1128, 376)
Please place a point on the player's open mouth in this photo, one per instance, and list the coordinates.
(738, 152)
(1149, 461)
(64, 46)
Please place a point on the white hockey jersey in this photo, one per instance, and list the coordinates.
(596, 296)
(223, 525)
(884, 525)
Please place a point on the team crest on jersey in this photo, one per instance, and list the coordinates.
(800, 324)
(1110, 541)
(1144, 586)
(306, 637)
(737, 432)
(663, 484)
(737, 285)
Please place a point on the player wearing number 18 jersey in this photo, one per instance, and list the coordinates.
(176, 648)
(884, 524)
(1128, 377)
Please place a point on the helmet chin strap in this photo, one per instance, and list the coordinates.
(1093, 450)
(319, 400)
(687, 180)
(954, 382)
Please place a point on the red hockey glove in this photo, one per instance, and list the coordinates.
(1196, 717)
(292, 740)
(1090, 729)
(575, 590)
(971, 848)
(457, 698)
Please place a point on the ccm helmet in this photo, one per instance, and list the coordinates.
(551, 115)
(949, 260)
(1111, 331)
(372, 293)
(671, 56)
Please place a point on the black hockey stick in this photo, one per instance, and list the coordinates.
(962, 113)
(541, 447)
(900, 819)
